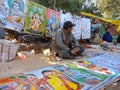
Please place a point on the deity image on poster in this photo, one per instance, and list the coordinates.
(35, 20)
(53, 80)
(53, 22)
(12, 14)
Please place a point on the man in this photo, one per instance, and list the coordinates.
(67, 46)
(107, 36)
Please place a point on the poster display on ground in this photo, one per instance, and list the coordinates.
(89, 73)
(86, 28)
(35, 19)
(12, 14)
(51, 79)
(53, 22)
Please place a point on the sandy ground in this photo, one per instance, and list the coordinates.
(32, 62)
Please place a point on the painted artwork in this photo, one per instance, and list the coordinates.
(12, 14)
(16, 82)
(53, 22)
(51, 79)
(77, 32)
(111, 60)
(35, 19)
(86, 28)
(87, 72)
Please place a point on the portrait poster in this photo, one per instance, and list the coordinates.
(53, 22)
(12, 14)
(51, 79)
(86, 28)
(35, 19)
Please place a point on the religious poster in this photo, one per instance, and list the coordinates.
(53, 22)
(35, 19)
(17, 82)
(51, 79)
(12, 14)
(77, 32)
(86, 28)
(88, 73)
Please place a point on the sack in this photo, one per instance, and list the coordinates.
(8, 50)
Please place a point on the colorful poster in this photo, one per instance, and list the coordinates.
(16, 82)
(111, 60)
(77, 32)
(53, 22)
(35, 19)
(87, 72)
(51, 79)
(86, 28)
(12, 14)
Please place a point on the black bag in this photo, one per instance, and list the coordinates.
(118, 39)
(2, 33)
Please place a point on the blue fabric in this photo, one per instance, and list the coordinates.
(107, 37)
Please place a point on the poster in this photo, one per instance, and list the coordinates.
(88, 73)
(53, 22)
(111, 60)
(86, 28)
(65, 17)
(16, 82)
(12, 14)
(77, 32)
(51, 79)
(35, 19)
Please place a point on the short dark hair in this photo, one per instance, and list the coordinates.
(68, 24)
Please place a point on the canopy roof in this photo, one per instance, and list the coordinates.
(115, 22)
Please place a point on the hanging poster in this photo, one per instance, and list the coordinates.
(65, 17)
(12, 14)
(86, 28)
(51, 79)
(77, 28)
(17, 82)
(53, 22)
(87, 72)
(35, 19)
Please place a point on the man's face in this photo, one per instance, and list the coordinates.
(70, 29)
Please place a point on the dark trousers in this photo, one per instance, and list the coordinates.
(65, 54)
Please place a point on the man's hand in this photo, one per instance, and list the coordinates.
(75, 51)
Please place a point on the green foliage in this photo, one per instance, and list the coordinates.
(72, 6)
(111, 7)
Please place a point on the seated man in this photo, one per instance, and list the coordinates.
(107, 36)
(67, 46)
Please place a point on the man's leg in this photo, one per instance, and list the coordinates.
(66, 54)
